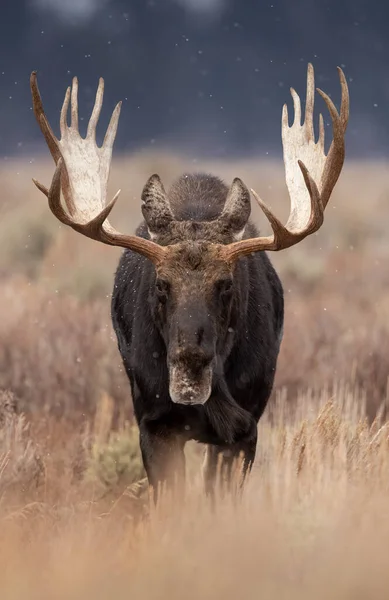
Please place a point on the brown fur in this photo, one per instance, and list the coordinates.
(199, 337)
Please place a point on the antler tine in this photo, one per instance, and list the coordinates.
(296, 106)
(51, 139)
(65, 108)
(82, 171)
(74, 111)
(310, 174)
(110, 135)
(310, 102)
(345, 102)
(45, 128)
(91, 131)
(336, 152)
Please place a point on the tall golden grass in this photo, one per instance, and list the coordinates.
(74, 513)
(312, 522)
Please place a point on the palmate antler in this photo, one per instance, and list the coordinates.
(82, 171)
(83, 168)
(310, 174)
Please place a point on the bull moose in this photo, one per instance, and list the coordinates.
(197, 307)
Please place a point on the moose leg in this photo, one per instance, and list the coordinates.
(240, 455)
(212, 454)
(163, 459)
(226, 457)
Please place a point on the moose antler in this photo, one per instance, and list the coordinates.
(310, 174)
(82, 170)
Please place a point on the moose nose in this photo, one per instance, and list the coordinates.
(190, 356)
(195, 341)
(192, 335)
(195, 356)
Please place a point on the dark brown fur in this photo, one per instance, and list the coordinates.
(195, 315)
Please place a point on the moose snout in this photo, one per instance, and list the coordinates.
(191, 354)
(191, 358)
(186, 387)
(190, 372)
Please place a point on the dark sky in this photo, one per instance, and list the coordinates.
(205, 76)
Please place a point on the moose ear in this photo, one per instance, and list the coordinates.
(155, 206)
(237, 208)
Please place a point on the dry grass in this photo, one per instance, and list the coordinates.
(57, 353)
(313, 521)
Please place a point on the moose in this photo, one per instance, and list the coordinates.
(197, 307)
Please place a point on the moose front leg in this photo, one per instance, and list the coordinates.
(221, 460)
(163, 459)
(241, 454)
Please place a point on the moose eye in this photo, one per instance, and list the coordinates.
(224, 286)
(162, 289)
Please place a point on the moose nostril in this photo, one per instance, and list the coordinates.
(200, 335)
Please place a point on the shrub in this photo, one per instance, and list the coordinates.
(56, 353)
(21, 466)
(116, 463)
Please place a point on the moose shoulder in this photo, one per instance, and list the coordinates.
(197, 306)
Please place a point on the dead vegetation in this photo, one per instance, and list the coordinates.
(313, 522)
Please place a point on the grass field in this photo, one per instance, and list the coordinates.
(314, 520)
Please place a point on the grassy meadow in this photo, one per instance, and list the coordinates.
(74, 514)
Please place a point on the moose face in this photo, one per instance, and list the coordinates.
(194, 288)
(191, 302)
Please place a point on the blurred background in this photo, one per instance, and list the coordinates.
(203, 83)
(202, 76)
